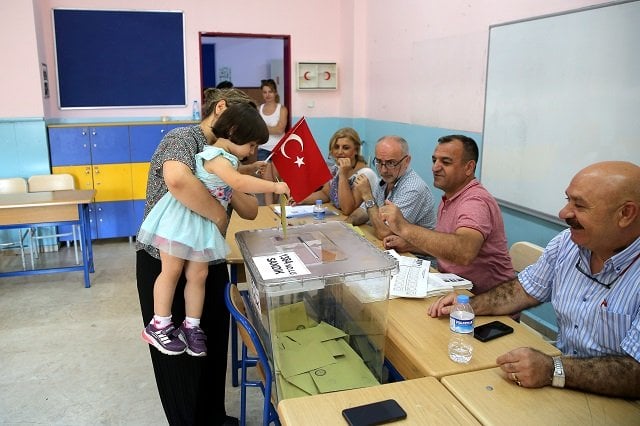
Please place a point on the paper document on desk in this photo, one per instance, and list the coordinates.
(412, 277)
(447, 279)
(300, 211)
(415, 280)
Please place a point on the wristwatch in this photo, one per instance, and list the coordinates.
(558, 373)
(369, 203)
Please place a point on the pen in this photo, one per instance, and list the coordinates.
(603, 304)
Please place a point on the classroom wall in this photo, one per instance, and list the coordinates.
(416, 67)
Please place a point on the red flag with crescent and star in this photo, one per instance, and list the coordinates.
(300, 162)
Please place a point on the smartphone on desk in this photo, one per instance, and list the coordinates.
(376, 413)
(491, 330)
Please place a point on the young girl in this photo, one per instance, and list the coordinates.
(188, 240)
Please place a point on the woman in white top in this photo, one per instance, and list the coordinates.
(344, 148)
(275, 116)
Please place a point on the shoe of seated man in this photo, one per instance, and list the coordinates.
(195, 340)
(166, 340)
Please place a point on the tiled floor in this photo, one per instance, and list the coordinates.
(71, 355)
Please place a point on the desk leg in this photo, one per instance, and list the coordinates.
(85, 234)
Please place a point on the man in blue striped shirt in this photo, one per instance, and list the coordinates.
(399, 184)
(591, 275)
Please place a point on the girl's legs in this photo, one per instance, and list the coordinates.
(160, 332)
(165, 285)
(194, 292)
(196, 273)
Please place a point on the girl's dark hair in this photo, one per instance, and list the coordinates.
(241, 123)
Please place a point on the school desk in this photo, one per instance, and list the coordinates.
(51, 208)
(425, 400)
(495, 400)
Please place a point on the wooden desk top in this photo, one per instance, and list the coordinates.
(494, 400)
(425, 400)
(47, 198)
(416, 344)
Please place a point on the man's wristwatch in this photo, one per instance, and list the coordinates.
(558, 373)
(369, 203)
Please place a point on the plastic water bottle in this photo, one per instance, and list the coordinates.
(195, 113)
(461, 320)
(318, 211)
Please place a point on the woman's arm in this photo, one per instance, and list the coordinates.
(281, 125)
(191, 192)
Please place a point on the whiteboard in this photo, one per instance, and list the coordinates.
(563, 91)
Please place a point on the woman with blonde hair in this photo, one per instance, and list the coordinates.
(344, 148)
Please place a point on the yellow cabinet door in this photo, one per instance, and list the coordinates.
(112, 182)
(82, 175)
(139, 176)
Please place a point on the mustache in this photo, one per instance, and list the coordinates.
(573, 223)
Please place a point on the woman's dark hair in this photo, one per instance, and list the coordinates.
(241, 124)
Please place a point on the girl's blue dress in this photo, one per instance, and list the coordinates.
(180, 232)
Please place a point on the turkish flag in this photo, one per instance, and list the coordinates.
(299, 161)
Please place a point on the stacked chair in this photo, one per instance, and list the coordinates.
(15, 186)
(55, 182)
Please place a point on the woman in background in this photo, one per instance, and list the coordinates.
(275, 115)
(344, 148)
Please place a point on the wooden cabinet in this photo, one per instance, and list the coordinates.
(113, 160)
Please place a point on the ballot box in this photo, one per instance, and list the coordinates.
(318, 297)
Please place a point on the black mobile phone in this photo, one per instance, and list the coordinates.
(491, 330)
(375, 413)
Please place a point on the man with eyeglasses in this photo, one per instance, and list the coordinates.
(469, 239)
(399, 184)
(591, 275)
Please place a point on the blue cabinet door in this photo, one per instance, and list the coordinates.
(69, 146)
(138, 215)
(144, 140)
(114, 218)
(109, 144)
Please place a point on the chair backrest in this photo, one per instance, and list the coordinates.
(13, 185)
(252, 343)
(523, 254)
(57, 182)
(247, 331)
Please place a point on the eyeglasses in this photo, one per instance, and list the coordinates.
(390, 164)
(607, 285)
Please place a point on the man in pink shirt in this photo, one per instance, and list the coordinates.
(469, 238)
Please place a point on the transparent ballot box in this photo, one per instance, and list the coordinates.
(319, 301)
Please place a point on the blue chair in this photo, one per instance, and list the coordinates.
(253, 355)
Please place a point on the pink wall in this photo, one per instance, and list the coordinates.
(427, 59)
(420, 62)
(20, 85)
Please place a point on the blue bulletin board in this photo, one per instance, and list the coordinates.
(119, 59)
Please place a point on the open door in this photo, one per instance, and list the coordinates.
(245, 59)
